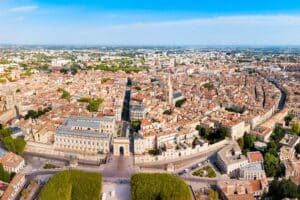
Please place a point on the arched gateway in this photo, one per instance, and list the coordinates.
(121, 146)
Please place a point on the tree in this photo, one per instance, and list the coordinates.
(209, 86)
(153, 152)
(36, 114)
(9, 143)
(31, 114)
(66, 95)
(167, 112)
(288, 119)
(5, 133)
(179, 103)
(223, 132)
(4, 175)
(201, 130)
(295, 129)
(19, 145)
(283, 189)
(272, 165)
(236, 109)
(278, 134)
(248, 142)
(136, 125)
(241, 143)
(64, 71)
(213, 135)
(273, 148)
(297, 148)
(94, 105)
(15, 145)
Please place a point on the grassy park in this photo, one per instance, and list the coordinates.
(206, 171)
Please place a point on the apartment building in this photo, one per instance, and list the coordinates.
(12, 162)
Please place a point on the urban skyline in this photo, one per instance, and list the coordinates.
(148, 100)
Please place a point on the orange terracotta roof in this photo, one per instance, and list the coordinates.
(255, 156)
(255, 184)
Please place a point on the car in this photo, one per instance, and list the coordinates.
(199, 164)
(180, 173)
(187, 170)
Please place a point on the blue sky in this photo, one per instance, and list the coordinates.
(145, 22)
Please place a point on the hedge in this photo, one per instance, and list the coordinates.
(73, 185)
(158, 186)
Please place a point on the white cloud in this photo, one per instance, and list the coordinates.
(224, 20)
(222, 30)
(29, 8)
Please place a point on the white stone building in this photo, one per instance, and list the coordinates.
(230, 159)
(85, 135)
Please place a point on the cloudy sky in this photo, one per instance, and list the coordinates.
(150, 22)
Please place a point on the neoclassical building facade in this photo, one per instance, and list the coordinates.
(85, 135)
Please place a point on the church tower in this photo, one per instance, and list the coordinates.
(170, 87)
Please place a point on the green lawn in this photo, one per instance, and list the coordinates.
(73, 185)
(206, 171)
(161, 186)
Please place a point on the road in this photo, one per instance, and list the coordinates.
(182, 162)
(283, 96)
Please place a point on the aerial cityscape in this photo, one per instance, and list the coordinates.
(138, 109)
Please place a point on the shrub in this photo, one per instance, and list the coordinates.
(158, 186)
(50, 166)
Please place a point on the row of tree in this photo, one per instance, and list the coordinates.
(15, 145)
(213, 135)
(73, 185)
(36, 114)
(158, 186)
(283, 189)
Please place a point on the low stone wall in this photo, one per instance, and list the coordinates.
(48, 150)
(179, 155)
